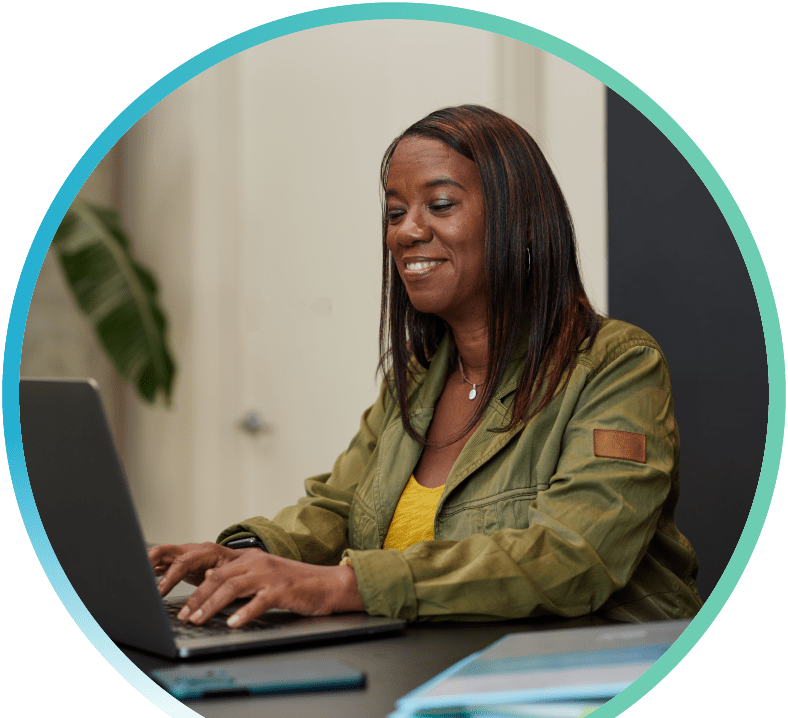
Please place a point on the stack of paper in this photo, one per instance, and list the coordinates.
(543, 674)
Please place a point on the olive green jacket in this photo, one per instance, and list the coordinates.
(531, 520)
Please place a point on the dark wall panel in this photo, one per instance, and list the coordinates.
(676, 271)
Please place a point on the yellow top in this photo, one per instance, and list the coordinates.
(414, 516)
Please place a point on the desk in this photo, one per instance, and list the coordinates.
(395, 664)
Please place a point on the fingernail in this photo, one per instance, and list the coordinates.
(234, 620)
(184, 613)
(197, 615)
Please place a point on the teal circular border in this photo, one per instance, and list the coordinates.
(395, 11)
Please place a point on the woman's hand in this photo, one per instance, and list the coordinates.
(272, 582)
(189, 562)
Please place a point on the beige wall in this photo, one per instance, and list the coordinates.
(252, 194)
(59, 341)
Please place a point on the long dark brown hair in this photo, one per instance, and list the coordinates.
(525, 210)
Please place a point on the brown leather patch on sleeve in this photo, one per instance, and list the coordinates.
(620, 445)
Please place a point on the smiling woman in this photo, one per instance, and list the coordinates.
(435, 233)
(550, 491)
(512, 197)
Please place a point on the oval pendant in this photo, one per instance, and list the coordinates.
(472, 394)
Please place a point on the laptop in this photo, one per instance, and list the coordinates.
(86, 509)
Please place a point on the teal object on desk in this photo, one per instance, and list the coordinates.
(191, 682)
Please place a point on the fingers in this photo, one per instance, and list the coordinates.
(175, 563)
(178, 569)
(270, 581)
(220, 588)
(255, 608)
(161, 557)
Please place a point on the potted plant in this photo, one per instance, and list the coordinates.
(117, 295)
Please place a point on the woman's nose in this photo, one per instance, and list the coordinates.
(413, 228)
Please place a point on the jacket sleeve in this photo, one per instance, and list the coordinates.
(586, 532)
(315, 530)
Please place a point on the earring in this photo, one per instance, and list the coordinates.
(528, 250)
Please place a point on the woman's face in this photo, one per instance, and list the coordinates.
(435, 210)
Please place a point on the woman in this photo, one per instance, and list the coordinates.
(522, 457)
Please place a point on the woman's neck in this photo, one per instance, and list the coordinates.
(471, 344)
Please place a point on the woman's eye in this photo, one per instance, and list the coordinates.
(442, 206)
(394, 214)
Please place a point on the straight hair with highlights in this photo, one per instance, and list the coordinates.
(525, 212)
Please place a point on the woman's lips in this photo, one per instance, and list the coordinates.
(420, 267)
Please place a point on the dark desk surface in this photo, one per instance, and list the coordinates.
(395, 664)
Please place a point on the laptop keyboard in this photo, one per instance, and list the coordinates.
(216, 626)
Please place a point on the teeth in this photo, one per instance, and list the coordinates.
(415, 266)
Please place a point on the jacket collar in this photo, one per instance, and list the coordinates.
(488, 439)
(433, 379)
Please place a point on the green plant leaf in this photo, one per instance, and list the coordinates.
(117, 295)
